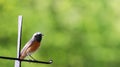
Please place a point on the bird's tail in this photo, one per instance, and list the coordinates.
(22, 56)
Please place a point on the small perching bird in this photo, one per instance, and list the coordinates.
(31, 46)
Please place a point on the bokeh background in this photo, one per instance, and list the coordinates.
(78, 33)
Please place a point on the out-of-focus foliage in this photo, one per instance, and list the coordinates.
(78, 33)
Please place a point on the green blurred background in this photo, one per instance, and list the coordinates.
(78, 33)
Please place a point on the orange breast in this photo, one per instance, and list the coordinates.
(34, 46)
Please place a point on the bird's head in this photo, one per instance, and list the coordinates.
(38, 36)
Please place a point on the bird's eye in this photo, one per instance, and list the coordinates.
(35, 35)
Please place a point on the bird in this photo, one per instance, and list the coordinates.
(31, 46)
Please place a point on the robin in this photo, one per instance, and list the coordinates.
(31, 46)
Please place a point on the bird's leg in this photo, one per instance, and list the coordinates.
(30, 56)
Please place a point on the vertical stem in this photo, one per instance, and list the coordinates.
(18, 62)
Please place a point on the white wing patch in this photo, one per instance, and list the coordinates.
(27, 45)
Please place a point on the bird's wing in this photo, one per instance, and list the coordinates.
(27, 45)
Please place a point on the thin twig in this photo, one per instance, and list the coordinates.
(33, 61)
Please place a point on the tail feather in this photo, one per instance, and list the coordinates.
(22, 56)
